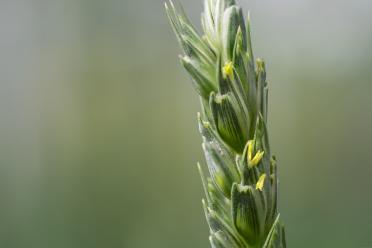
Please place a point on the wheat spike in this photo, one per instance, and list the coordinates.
(242, 186)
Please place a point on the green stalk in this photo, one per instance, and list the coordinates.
(242, 187)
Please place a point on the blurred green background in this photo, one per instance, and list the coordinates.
(98, 131)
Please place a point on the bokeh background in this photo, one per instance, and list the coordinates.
(98, 131)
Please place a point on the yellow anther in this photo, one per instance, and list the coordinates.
(260, 182)
(228, 69)
(250, 150)
(257, 157)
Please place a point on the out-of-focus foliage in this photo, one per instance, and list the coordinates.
(98, 119)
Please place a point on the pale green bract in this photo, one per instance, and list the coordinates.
(242, 186)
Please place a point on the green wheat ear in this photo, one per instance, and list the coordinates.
(242, 187)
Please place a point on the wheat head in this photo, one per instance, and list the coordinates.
(241, 190)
